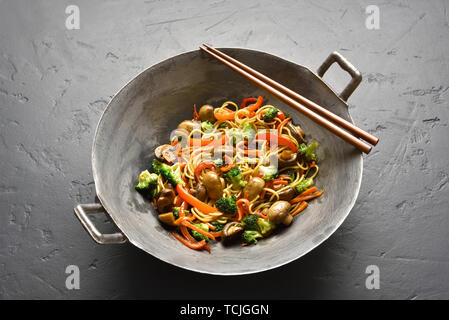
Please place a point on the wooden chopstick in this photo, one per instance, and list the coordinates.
(358, 132)
(359, 144)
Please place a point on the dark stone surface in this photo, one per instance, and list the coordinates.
(54, 84)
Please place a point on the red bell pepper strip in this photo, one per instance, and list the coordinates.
(245, 101)
(228, 161)
(279, 139)
(229, 115)
(207, 142)
(241, 204)
(255, 106)
(261, 215)
(195, 114)
(203, 165)
(281, 125)
(191, 245)
(280, 115)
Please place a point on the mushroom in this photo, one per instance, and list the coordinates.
(295, 131)
(187, 125)
(165, 152)
(211, 180)
(278, 212)
(200, 192)
(207, 113)
(287, 194)
(165, 200)
(231, 229)
(288, 220)
(167, 218)
(287, 158)
(254, 187)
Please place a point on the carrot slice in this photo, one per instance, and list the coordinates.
(307, 197)
(308, 191)
(300, 208)
(187, 197)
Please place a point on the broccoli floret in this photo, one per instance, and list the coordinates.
(227, 205)
(251, 236)
(218, 226)
(171, 173)
(176, 212)
(207, 126)
(250, 222)
(147, 184)
(269, 114)
(254, 222)
(248, 132)
(265, 226)
(198, 236)
(308, 152)
(222, 125)
(156, 166)
(147, 181)
(235, 177)
(303, 185)
(269, 172)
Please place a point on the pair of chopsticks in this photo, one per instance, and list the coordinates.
(315, 112)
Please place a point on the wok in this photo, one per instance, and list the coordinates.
(141, 116)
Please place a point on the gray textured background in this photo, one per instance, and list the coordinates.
(54, 84)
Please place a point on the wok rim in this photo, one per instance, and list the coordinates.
(103, 201)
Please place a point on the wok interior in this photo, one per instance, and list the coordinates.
(142, 116)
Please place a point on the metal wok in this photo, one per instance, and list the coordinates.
(141, 116)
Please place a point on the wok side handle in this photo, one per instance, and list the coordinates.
(82, 211)
(356, 76)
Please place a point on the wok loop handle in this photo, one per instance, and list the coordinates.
(83, 210)
(348, 67)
